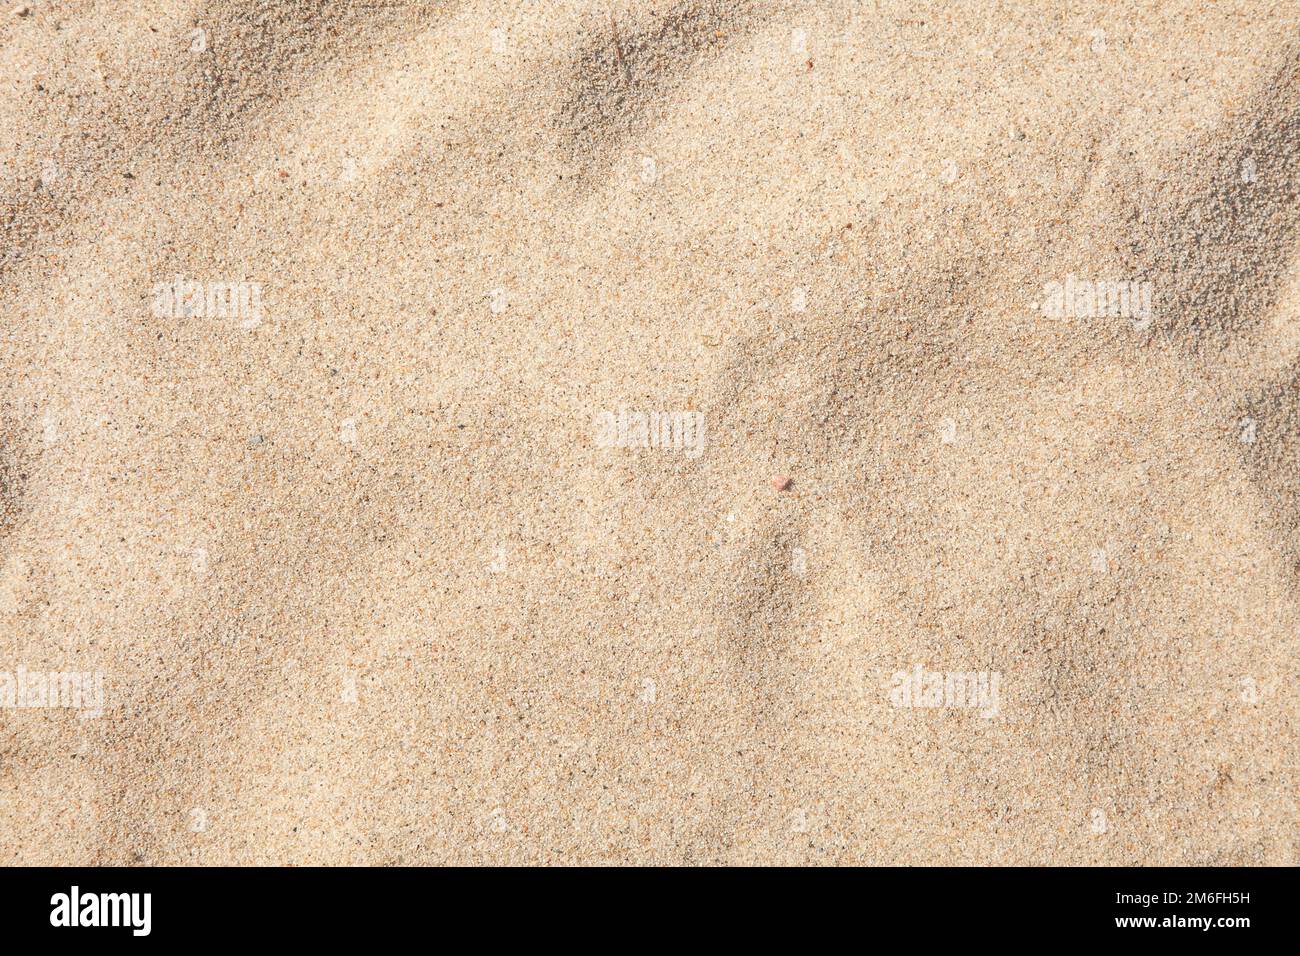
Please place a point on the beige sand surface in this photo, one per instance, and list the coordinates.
(362, 584)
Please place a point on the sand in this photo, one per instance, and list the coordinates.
(332, 333)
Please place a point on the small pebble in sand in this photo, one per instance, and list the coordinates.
(256, 440)
(22, 11)
(781, 482)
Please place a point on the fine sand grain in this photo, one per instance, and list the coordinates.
(971, 332)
